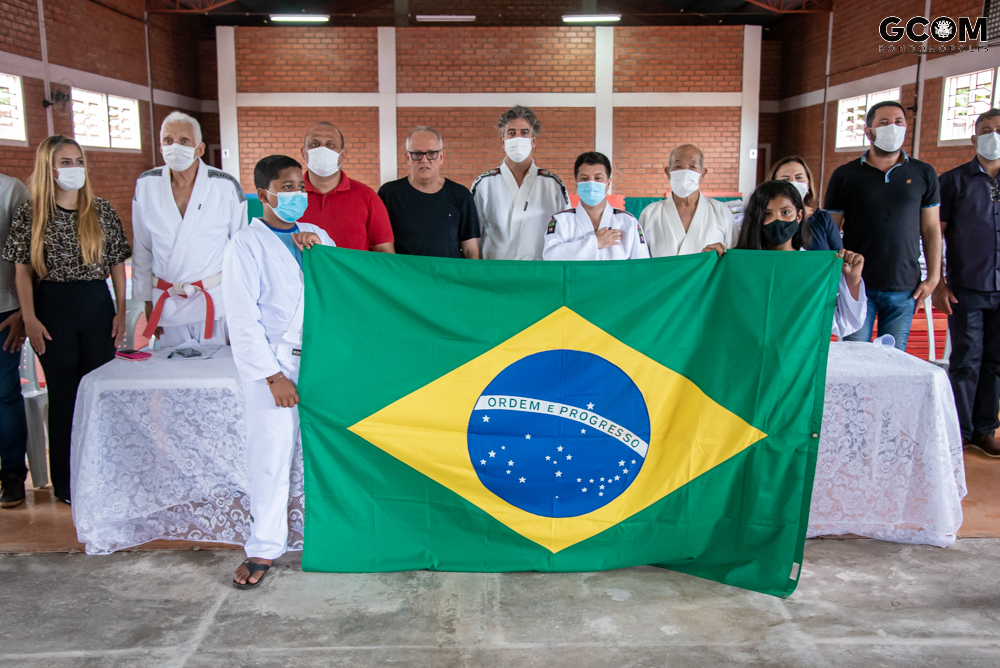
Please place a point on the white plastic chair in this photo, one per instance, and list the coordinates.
(36, 410)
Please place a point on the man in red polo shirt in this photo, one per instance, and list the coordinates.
(348, 210)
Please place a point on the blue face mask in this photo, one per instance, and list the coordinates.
(592, 193)
(291, 206)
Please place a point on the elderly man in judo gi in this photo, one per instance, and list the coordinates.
(687, 221)
(183, 215)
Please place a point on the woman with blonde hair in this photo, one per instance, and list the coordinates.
(64, 242)
(823, 231)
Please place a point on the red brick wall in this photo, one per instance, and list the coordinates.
(91, 37)
(19, 28)
(801, 133)
(643, 140)
(472, 145)
(280, 130)
(955, 9)
(803, 52)
(770, 70)
(495, 60)
(679, 59)
(175, 59)
(318, 60)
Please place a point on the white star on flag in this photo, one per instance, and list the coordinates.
(559, 449)
(616, 477)
(568, 457)
(602, 486)
(522, 480)
(578, 480)
(621, 463)
(492, 454)
(633, 461)
(591, 480)
(510, 463)
(547, 458)
(527, 437)
(508, 472)
(558, 474)
(602, 479)
(486, 418)
(590, 406)
(583, 431)
(482, 461)
(625, 471)
(600, 494)
(584, 489)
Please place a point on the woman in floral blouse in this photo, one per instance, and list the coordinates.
(64, 243)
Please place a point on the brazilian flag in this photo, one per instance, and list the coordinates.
(564, 416)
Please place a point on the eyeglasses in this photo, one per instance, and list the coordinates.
(417, 156)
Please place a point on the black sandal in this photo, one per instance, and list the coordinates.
(253, 567)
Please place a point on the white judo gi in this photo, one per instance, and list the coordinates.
(713, 223)
(513, 218)
(265, 305)
(849, 314)
(570, 236)
(177, 261)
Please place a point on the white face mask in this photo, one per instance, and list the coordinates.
(803, 188)
(683, 182)
(889, 138)
(518, 149)
(71, 178)
(988, 146)
(323, 161)
(177, 156)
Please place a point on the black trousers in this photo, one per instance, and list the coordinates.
(78, 317)
(974, 366)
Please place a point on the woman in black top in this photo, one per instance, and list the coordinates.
(64, 243)
(824, 233)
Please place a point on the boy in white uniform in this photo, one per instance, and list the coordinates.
(183, 216)
(517, 200)
(264, 295)
(594, 230)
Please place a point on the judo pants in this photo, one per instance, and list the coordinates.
(272, 438)
(974, 367)
(178, 334)
(78, 317)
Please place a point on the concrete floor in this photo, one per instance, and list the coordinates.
(859, 603)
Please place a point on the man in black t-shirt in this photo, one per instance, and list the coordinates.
(887, 203)
(430, 215)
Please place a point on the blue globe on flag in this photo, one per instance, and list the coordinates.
(559, 433)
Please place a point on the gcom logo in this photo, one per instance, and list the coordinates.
(942, 29)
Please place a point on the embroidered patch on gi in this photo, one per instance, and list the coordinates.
(552, 227)
(642, 239)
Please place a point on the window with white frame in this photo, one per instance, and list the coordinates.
(11, 109)
(965, 97)
(105, 120)
(851, 114)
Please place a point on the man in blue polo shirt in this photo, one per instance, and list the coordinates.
(970, 216)
(887, 203)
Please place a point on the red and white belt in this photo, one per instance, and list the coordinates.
(184, 290)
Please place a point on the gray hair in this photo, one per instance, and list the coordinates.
(515, 112)
(181, 117)
(424, 128)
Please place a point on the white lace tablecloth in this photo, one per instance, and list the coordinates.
(890, 453)
(158, 452)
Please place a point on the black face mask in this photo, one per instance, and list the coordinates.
(779, 232)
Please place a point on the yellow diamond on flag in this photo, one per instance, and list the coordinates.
(560, 432)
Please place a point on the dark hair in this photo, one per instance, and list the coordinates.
(270, 168)
(592, 158)
(878, 105)
(515, 112)
(756, 211)
(986, 115)
(772, 174)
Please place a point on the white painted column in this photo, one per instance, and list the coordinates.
(604, 80)
(387, 148)
(750, 109)
(44, 44)
(229, 133)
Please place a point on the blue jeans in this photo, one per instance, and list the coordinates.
(895, 315)
(13, 424)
